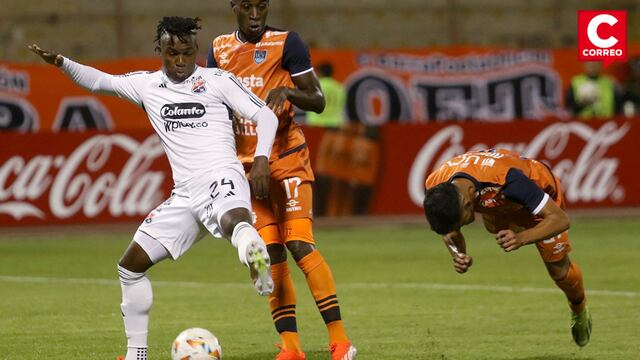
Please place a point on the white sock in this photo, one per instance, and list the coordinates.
(137, 298)
(244, 234)
(136, 353)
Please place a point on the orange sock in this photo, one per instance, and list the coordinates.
(573, 288)
(282, 303)
(323, 288)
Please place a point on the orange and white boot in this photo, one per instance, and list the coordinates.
(290, 354)
(343, 351)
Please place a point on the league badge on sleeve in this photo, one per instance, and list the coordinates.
(259, 56)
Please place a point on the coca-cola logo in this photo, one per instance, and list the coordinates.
(82, 183)
(590, 177)
(182, 111)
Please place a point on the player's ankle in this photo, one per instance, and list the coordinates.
(136, 353)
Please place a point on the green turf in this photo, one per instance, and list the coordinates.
(57, 307)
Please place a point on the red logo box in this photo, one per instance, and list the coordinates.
(602, 35)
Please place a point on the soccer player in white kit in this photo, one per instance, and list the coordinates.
(190, 108)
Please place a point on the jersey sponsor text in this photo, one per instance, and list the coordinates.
(182, 111)
(251, 81)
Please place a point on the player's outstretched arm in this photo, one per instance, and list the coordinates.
(89, 78)
(456, 244)
(554, 221)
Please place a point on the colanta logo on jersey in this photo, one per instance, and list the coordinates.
(183, 111)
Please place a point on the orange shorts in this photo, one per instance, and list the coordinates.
(288, 212)
(290, 230)
(554, 249)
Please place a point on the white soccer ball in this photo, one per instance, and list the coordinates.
(196, 344)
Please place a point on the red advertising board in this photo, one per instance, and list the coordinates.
(72, 178)
(97, 177)
(595, 161)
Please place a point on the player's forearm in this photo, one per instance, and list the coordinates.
(456, 239)
(312, 100)
(549, 227)
(267, 125)
(86, 76)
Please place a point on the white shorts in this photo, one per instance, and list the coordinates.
(180, 221)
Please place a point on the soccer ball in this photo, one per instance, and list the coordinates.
(196, 344)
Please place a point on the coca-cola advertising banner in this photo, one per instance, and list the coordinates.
(97, 177)
(419, 85)
(596, 162)
(65, 178)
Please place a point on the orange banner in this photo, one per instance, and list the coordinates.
(418, 85)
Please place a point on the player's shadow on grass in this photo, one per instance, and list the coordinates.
(550, 357)
(254, 356)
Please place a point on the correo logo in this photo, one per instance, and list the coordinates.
(183, 111)
(602, 36)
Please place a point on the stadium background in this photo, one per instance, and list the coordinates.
(49, 154)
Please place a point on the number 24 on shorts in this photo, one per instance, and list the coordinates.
(215, 191)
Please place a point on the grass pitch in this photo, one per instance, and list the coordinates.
(400, 298)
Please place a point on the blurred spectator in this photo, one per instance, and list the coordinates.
(335, 97)
(631, 88)
(592, 94)
(346, 170)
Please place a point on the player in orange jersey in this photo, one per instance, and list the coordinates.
(276, 66)
(520, 201)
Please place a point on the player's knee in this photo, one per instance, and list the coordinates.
(135, 259)
(557, 274)
(558, 270)
(231, 218)
(299, 249)
(128, 277)
(277, 253)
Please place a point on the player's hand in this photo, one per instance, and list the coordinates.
(260, 176)
(462, 262)
(47, 55)
(508, 240)
(277, 98)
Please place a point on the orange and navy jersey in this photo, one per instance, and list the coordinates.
(271, 62)
(506, 183)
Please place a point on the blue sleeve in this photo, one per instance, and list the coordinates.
(519, 188)
(211, 61)
(295, 55)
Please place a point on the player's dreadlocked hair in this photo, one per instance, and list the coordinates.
(182, 27)
(442, 208)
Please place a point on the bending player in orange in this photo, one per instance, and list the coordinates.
(276, 66)
(520, 201)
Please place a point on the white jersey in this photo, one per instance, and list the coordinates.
(193, 118)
